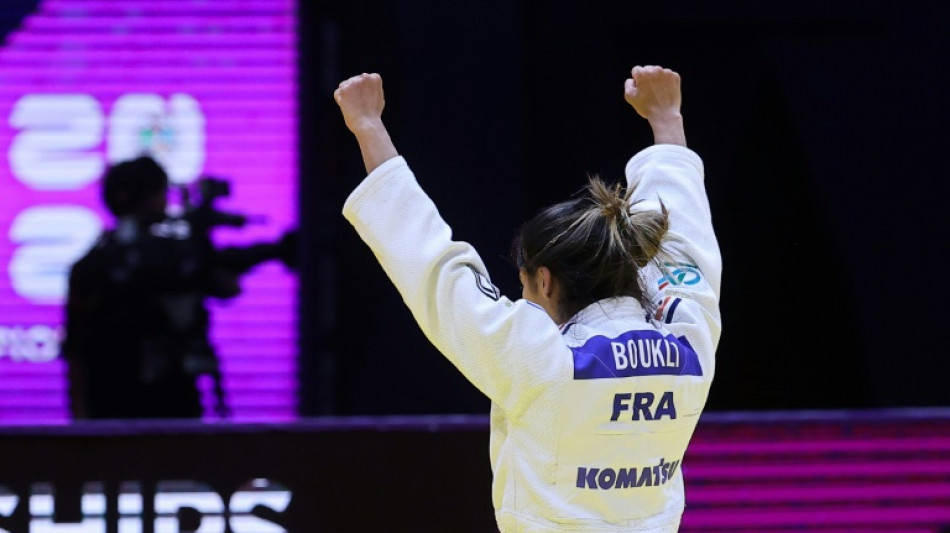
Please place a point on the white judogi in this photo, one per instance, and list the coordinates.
(589, 421)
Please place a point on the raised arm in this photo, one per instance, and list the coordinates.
(442, 281)
(655, 93)
(361, 100)
(687, 288)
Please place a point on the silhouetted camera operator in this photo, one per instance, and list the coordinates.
(136, 321)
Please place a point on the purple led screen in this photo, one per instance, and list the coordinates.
(833, 473)
(209, 88)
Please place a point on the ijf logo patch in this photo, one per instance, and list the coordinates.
(679, 274)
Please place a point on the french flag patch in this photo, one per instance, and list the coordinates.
(666, 309)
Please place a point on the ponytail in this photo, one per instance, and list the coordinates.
(594, 245)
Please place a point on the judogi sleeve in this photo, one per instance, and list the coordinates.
(687, 286)
(507, 349)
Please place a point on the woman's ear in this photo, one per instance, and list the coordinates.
(546, 282)
(549, 293)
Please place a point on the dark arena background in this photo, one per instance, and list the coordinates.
(822, 126)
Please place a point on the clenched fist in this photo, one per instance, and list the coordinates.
(361, 100)
(653, 91)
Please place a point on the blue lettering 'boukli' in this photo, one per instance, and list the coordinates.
(635, 353)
